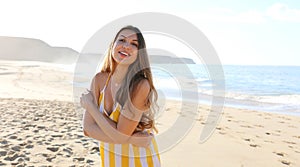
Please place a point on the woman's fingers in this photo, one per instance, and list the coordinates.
(86, 99)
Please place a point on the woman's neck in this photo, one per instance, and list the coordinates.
(119, 74)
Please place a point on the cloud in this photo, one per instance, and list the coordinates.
(282, 12)
(227, 15)
(277, 12)
(250, 17)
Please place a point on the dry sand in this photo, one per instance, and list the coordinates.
(41, 132)
(41, 126)
(242, 138)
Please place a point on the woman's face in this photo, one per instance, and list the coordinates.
(125, 48)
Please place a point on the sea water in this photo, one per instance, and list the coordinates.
(263, 88)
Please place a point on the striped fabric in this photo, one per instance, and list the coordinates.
(126, 155)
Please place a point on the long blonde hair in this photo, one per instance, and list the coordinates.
(137, 71)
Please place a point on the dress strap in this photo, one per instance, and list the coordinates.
(101, 97)
(107, 80)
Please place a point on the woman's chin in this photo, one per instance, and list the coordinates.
(124, 61)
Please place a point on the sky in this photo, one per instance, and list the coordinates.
(242, 32)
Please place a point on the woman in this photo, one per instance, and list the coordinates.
(124, 94)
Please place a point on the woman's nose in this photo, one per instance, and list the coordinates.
(126, 45)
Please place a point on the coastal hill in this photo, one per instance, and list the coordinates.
(28, 49)
(16, 48)
(159, 59)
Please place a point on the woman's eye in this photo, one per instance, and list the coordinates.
(122, 40)
(134, 44)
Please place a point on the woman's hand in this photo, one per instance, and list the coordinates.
(141, 139)
(87, 100)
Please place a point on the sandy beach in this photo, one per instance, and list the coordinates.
(41, 132)
(41, 126)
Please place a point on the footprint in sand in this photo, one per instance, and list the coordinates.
(13, 137)
(246, 126)
(29, 146)
(53, 149)
(247, 139)
(285, 162)
(254, 145)
(221, 130)
(297, 137)
(95, 150)
(289, 142)
(3, 153)
(292, 126)
(268, 141)
(251, 144)
(91, 162)
(260, 126)
(67, 152)
(78, 159)
(4, 142)
(49, 159)
(16, 148)
(14, 157)
(280, 154)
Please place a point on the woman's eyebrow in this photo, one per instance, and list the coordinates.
(126, 37)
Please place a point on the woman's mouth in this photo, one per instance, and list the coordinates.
(124, 54)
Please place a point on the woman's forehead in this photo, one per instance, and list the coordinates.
(128, 34)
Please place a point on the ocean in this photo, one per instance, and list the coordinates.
(262, 88)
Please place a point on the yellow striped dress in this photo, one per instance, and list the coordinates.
(126, 155)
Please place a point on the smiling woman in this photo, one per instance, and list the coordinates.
(120, 106)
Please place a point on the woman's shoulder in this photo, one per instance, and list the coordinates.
(143, 87)
(101, 77)
(143, 84)
(99, 80)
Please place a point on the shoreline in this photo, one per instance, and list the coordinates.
(244, 107)
(40, 80)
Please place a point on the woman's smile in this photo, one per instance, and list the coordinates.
(123, 54)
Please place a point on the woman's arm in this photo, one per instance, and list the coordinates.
(138, 139)
(105, 129)
(88, 120)
(98, 129)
